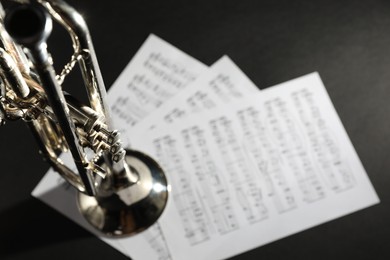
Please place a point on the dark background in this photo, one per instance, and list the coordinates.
(347, 42)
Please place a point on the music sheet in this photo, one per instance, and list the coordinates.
(257, 170)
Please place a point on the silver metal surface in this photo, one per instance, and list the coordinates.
(131, 209)
(120, 192)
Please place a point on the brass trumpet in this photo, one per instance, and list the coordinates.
(120, 192)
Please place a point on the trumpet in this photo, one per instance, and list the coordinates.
(121, 192)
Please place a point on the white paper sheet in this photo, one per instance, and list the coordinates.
(255, 171)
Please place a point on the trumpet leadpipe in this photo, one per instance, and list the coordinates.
(30, 26)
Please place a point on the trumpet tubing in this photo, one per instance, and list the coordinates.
(111, 181)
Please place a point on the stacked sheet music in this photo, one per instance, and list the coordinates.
(246, 167)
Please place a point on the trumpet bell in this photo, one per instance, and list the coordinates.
(132, 209)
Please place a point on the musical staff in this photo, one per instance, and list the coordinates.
(267, 160)
(167, 70)
(223, 86)
(290, 143)
(241, 177)
(193, 218)
(214, 190)
(334, 168)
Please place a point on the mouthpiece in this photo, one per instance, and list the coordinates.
(29, 25)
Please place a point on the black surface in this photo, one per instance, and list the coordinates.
(347, 42)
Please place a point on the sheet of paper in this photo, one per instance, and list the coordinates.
(255, 171)
(157, 72)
